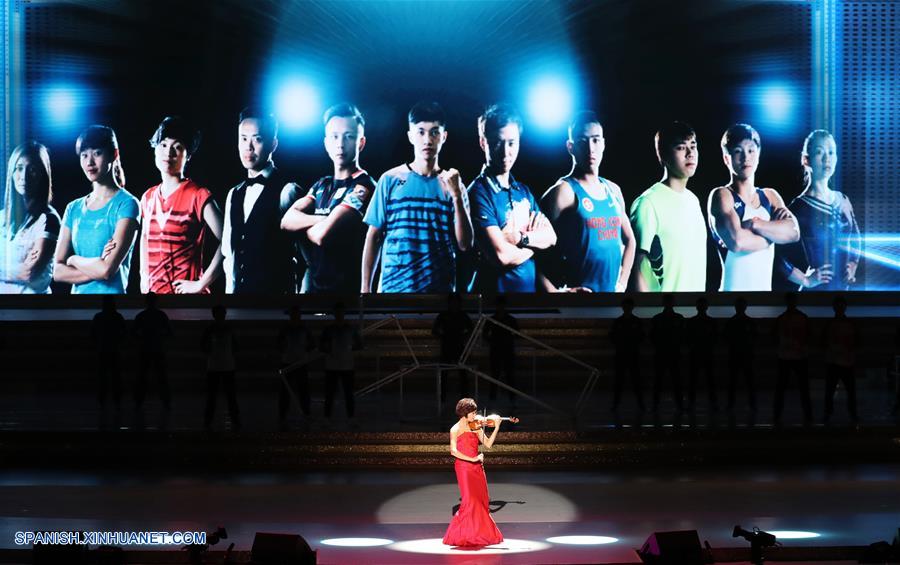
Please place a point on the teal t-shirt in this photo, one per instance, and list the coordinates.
(91, 229)
(670, 228)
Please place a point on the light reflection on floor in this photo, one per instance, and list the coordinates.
(847, 505)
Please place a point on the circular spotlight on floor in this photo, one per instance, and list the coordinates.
(436, 546)
(582, 540)
(790, 534)
(356, 542)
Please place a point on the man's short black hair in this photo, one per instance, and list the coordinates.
(580, 120)
(344, 110)
(268, 124)
(427, 112)
(737, 133)
(671, 135)
(176, 127)
(495, 118)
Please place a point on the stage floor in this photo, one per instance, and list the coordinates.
(845, 505)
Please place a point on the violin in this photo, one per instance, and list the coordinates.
(490, 421)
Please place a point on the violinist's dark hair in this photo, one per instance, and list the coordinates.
(464, 406)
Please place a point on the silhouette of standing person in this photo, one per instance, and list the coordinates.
(453, 327)
(107, 333)
(666, 333)
(502, 344)
(740, 337)
(702, 332)
(339, 341)
(841, 343)
(626, 335)
(792, 334)
(152, 329)
(295, 342)
(220, 346)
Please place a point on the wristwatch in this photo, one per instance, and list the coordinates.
(523, 241)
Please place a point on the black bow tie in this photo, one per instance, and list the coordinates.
(261, 180)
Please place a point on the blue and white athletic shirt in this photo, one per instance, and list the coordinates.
(416, 216)
(747, 270)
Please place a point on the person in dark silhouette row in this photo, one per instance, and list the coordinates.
(841, 343)
(666, 333)
(702, 333)
(339, 340)
(296, 343)
(152, 329)
(502, 344)
(107, 333)
(626, 335)
(453, 328)
(792, 335)
(220, 346)
(740, 337)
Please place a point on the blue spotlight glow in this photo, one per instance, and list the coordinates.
(356, 542)
(61, 105)
(791, 534)
(297, 105)
(582, 540)
(778, 103)
(774, 108)
(550, 103)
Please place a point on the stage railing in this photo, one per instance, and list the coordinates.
(462, 364)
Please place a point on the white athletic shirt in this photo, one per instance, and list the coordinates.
(749, 270)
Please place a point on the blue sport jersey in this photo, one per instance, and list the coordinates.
(91, 229)
(589, 236)
(416, 216)
(494, 205)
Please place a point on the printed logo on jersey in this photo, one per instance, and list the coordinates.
(605, 227)
(588, 204)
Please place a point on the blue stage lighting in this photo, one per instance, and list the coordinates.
(774, 108)
(791, 534)
(297, 105)
(550, 103)
(777, 103)
(61, 105)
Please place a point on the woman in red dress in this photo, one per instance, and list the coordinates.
(472, 525)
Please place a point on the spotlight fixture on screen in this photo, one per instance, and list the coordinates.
(64, 106)
(758, 540)
(777, 101)
(61, 103)
(297, 105)
(774, 107)
(550, 103)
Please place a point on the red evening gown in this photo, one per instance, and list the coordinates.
(472, 526)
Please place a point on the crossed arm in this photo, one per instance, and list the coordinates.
(75, 269)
